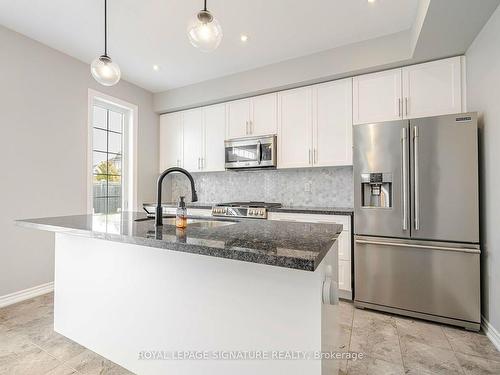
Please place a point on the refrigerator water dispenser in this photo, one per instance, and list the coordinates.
(376, 190)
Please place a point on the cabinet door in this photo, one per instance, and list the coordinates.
(344, 240)
(432, 88)
(238, 117)
(344, 275)
(295, 128)
(377, 97)
(170, 141)
(264, 114)
(193, 139)
(332, 113)
(214, 129)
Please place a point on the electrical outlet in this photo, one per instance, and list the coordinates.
(307, 187)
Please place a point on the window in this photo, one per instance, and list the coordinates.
(111, 136)
(107, 153)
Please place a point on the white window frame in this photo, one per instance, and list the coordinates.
(130, 131)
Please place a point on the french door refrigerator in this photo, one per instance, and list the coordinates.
(416, 216)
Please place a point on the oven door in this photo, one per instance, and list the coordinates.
(250, 152)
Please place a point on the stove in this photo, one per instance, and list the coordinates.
(253, 210)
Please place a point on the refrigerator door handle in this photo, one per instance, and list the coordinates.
(416, 172)
(413, 246)
(404, 187)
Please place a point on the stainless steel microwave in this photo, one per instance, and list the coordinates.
(254, 152)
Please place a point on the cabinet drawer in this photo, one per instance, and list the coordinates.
(345, 275)
(313, 218)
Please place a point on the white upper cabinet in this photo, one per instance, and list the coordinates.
(432, 88)
(295, 128)
(252, 117)
(170, 140)
(315, 125)
(264, 115)
(377, 97)
(332, 128)
(192, 127)
(429, 89)
(238, 118)
(214, 130)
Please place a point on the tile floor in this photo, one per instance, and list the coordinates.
(29, 345)
(392, 345)
(397, 345)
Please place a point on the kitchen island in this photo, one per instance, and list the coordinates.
(220, 297)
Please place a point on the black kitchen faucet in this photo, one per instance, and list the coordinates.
(159, 208)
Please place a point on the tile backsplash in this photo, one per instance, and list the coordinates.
(292, 187)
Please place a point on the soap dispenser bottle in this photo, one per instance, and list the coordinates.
(181, 215)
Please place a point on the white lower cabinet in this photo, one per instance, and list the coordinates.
(345, 278)
(344, 242)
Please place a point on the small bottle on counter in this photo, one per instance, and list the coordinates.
(181, 215)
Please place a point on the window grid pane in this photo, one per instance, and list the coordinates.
(107, 161)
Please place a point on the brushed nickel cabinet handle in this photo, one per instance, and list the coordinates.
(406, 106)
(399, 107)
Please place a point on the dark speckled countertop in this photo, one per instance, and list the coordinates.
(294, 245)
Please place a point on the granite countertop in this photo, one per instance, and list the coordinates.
(291, 209)
(293, 245)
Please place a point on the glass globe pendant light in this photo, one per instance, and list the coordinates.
(204, 31)
(103, 69)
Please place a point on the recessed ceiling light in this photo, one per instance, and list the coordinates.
(244, 38)
(371, 1)
(156, 68)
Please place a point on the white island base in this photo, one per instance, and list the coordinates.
(125, 301)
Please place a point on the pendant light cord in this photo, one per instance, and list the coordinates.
(105, 27)
(205, 8)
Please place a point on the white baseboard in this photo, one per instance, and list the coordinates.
(10, 299)
(491, 332)
(345, 294)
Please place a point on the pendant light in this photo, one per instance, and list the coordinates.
(103, 69)
(204, 31)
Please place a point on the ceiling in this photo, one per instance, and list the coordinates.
(153, 32)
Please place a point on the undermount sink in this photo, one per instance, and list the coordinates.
(194, 222)
(200, 223)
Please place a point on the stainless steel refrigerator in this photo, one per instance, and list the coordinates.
(416, 216)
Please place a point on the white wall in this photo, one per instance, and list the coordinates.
(483, 95)
(43, 150)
